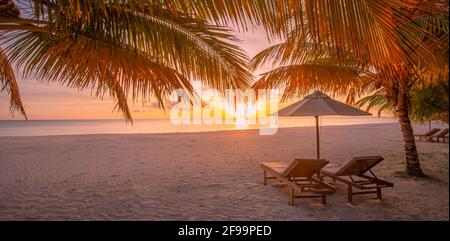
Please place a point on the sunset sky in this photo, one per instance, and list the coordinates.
(53, 101)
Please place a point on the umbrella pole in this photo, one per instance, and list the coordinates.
(317, 137)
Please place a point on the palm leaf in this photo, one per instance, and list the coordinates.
(8, 82)
(381, 33)
(300, 79)
(376, 101)
(125, 48)
(98, 66)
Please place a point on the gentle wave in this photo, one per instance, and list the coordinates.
(77, 127)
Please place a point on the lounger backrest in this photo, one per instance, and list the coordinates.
(443, 133)
(304, 167)
(359, 165)
(432, 132)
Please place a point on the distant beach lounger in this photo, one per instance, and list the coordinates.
(427, 135)
(441, 135)
(353, 174)
(299, 175)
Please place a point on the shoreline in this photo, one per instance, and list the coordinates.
(415, 126)
(58, 128)
(191, 132)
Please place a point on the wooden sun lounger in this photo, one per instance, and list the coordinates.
(353, 174)
(299, 175)
(427, 135)
(441, 135)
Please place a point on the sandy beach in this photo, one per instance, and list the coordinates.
(208, 176)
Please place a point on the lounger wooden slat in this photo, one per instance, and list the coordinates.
(353, 173)
(443, 134)
(427, 135)
(299, 176)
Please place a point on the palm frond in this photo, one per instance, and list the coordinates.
(301, 79)
(381, 32)
(97, 66)
(376, 101)
(195, 48)
(242, 13)
(300, 49)
(430, 103)
(125, 48)
(429, 71)
(8, 82)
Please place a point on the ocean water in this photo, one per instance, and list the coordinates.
(76, 127)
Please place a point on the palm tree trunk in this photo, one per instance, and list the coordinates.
(413, 167)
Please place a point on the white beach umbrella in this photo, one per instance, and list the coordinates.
(319, 104)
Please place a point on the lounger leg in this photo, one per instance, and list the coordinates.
(324, 199)
(265, 182)
(379, 194)
(350, 194)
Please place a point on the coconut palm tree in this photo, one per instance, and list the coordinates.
(429, 102)
(128, 49)
(354, 48)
